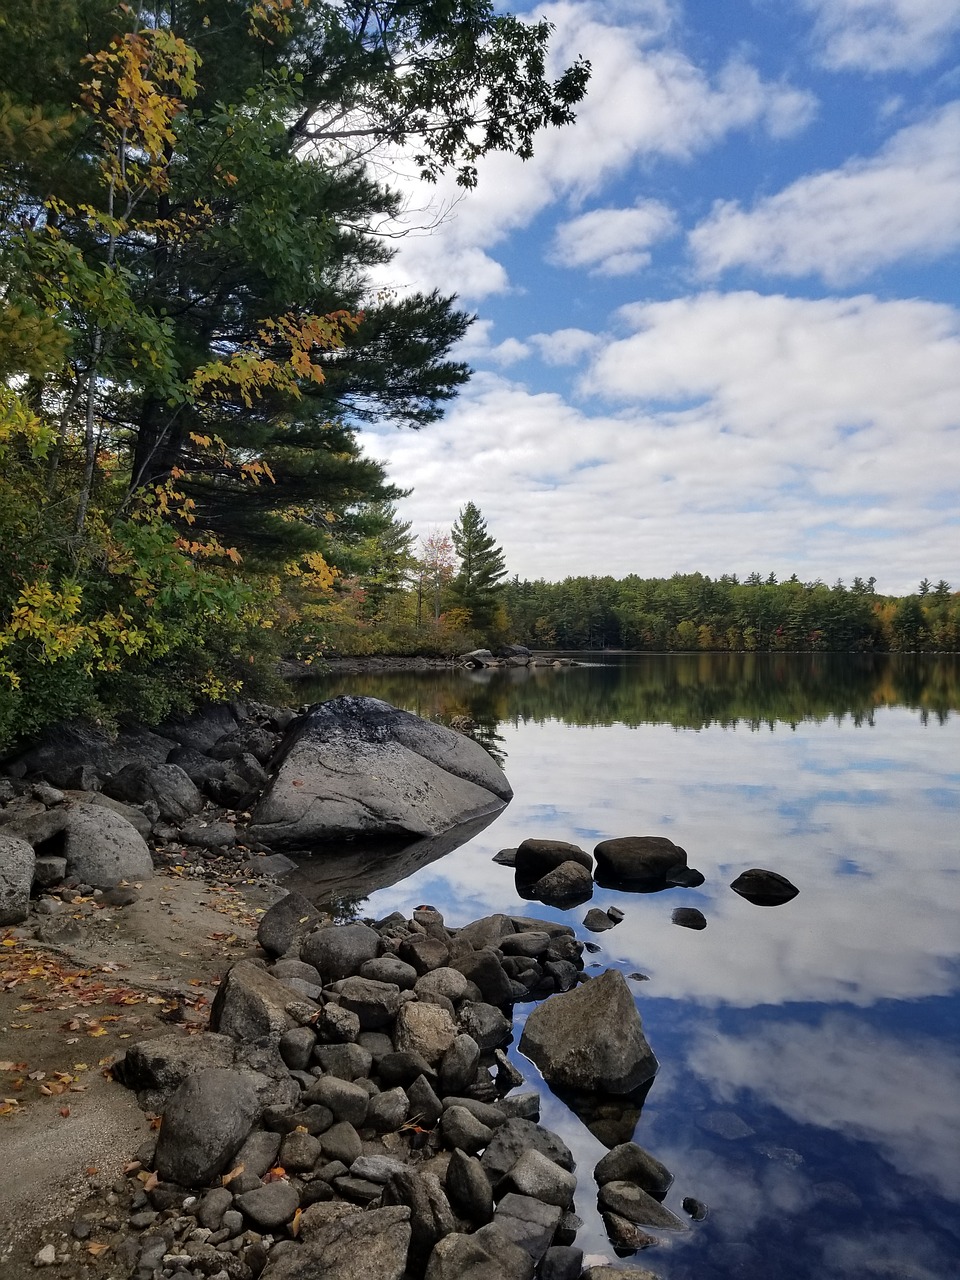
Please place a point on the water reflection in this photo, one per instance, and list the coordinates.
(828, 1027)
(842, 1073)
(689, 691)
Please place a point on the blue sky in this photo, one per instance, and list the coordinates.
(719, 317)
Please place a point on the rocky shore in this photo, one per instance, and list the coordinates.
(324, 1100)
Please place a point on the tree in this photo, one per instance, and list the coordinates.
(227, 205)
(434, 569)
(478, 581)
(188, 333)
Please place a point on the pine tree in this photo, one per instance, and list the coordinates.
(478, 581)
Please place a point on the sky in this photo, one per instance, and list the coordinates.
(718, 318)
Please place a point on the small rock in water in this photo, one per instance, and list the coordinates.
(683, 877)
(696, 1208)
(689, 918)
(615, 914)
(639, 977)
(597, 921)
(506, 857)
(764, 888)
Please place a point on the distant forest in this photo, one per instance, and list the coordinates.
(694, 612)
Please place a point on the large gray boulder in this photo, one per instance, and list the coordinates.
(591, 1038)
(360, 767)
(204, 1125)
(251, 1004)
(166, 785)
(63, 749)
(102, 848)
(162, 1064)
(17, 861)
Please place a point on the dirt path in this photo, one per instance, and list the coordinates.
(106, 977)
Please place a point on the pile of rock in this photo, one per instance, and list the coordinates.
(512, 655)
(351, 1111)
(78, 809)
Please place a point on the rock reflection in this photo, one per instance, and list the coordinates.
(355, 869)
(612, 1120)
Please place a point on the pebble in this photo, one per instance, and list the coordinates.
(45, 1257)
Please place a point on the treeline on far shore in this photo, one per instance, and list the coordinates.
(695, 612)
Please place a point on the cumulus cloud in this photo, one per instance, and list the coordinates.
(883, 35)
(509, 351)
(844, 223)
(805, 371)
(647, 99)
(844, 1075)
(612, 242)
(709, 424)
(565, 346)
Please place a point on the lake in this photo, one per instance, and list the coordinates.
(809, 1087)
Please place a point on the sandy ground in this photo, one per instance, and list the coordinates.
(69, 1008)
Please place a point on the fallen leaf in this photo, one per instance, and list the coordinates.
(234, 1173)
(295, 1223)
(95, 1248)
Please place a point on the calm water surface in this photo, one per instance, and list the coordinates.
(809, 1089)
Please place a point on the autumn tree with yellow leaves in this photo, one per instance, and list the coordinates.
(188, 336)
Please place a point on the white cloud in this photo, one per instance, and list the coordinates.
(509, 352)
(846, 222)
(612, 242)
(478, 344)
(808, 374)
(646, 99)
(883, 35)
(565, 346)
(845, 1075)
(806, 428)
